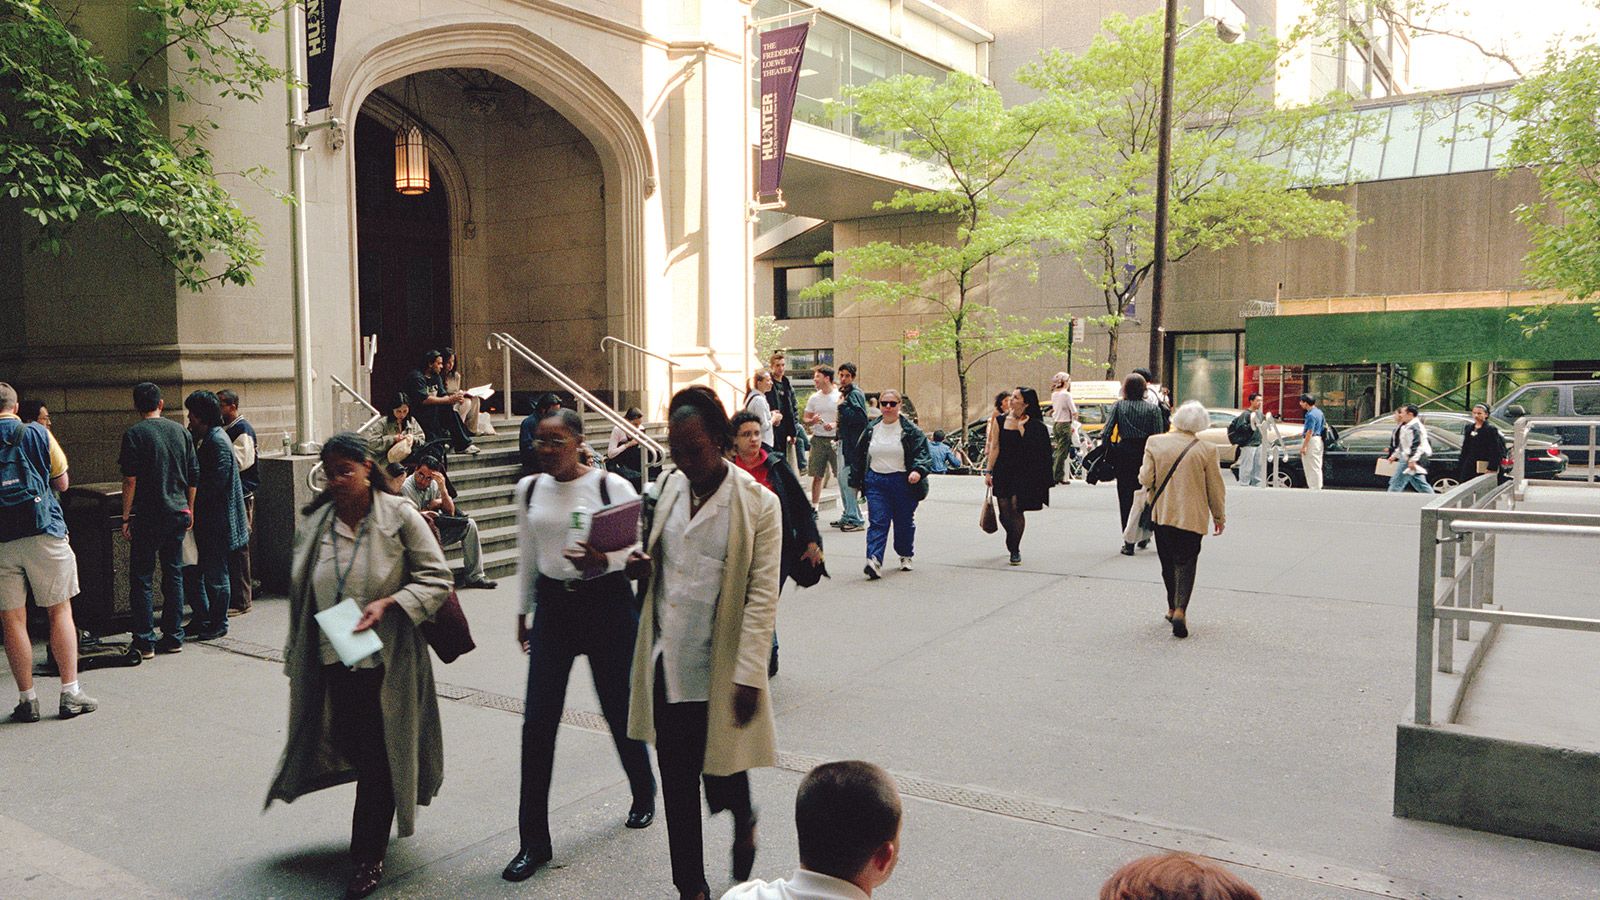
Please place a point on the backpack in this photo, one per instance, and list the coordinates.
(25, 502)
(1239, 430)
(1329, 433)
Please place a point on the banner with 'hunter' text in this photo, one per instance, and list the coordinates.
(781, 52)
(322, 23)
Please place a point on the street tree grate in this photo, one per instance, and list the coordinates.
(1133, 831)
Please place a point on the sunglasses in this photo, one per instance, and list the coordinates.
(888, 402)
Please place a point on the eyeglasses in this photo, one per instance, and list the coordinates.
(888, 403)
(556, 444)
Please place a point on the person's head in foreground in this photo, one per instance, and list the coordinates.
(1175, 876)
(847, 816)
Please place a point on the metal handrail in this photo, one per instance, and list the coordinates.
(1455, 572)
(376, 415)
(614, 343)
(1519, 451)
(507, 344)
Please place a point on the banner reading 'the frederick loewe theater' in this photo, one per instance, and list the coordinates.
(322, 24)
(781, 52)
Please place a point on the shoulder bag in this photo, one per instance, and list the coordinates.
(988, 519)
(446, 631)
(1147, 514)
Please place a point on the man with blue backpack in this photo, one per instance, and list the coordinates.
(34, 553)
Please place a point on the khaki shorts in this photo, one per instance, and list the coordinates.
(43, 562)
(822, 457)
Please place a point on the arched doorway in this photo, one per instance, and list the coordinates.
(403, 252)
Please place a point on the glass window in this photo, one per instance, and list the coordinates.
(821, 74)
(1504, 132)
(1433, 145)
(870, 60)
(1473, 122)
(787, 285)
(1372, 129)
(1586, 400)
(1400, 151)
(1540, 401)
(1206, 368)
(765, 9)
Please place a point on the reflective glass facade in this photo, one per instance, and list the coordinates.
(1426, 136)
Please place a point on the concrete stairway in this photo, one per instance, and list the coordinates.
(486, 484)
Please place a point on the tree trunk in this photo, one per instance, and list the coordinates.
(961, 382)
(1111, 351)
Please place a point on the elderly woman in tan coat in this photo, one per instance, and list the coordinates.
(705, 631)
(375, 722)
(1181, 474)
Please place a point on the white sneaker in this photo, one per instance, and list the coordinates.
(473, 450)
(905, 563)
(77, 704)
(873, 569)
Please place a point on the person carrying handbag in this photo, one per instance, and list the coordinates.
(1190, 496)
(1129, 423)
(375, 722)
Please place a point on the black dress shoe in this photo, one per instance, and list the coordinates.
(482, 583)
(525, 863)
(1127, 549)
(365, 880)
(641, 818)
(1144, 543)
(744, 849)
(1179, 627)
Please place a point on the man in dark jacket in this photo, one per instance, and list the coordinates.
(434, 408)
(781, 400)
(241, 584)
(220, 527)
(852, 424)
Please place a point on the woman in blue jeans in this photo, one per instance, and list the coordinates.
(891, 463)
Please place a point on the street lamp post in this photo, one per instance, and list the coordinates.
(1158, 284)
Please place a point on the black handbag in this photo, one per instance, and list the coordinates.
(1098, 465)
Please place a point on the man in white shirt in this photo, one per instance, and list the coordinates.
(427, 491)
(1411, 452)
(847, 815)
(822, 417)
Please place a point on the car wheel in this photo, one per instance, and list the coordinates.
(1283, 480)
(1444, 484)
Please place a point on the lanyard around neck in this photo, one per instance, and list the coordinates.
(354, 552)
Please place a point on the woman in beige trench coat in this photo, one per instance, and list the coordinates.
(705, 633)
(376, 723)
(1181, 472)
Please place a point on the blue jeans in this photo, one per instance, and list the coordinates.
(890, 499)
(157, 535)
(1401, 479)
(210, 602)
(847, 495)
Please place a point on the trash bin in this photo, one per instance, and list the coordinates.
(94, 527)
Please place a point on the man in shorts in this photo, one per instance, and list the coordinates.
(822, 417)
(34, 553)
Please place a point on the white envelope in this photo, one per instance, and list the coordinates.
(338, 622)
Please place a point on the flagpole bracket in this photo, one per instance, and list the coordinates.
(334, 126)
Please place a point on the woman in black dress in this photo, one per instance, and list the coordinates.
(1021, 477)
(1481, 442)
(1131, 421)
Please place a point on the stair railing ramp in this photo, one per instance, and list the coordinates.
(614, 345)
(652, 451)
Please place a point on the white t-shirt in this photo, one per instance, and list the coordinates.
(886, 455)
(826, 406)
(542, 530)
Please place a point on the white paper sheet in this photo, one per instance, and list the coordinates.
(482, 391)
(338, 622)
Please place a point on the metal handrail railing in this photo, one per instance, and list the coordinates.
(614, 344)
(376, 415)
(1519, 452)
(1455, 572)
(652, 449)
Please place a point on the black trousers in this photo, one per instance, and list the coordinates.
(1179, 552)
(597, 620)
(1127, 484)
(440, 421)
(357, 730)
(681, 754)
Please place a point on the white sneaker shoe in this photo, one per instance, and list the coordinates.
(77, 704)
(473, 450)
(873, 569)
(905, 563)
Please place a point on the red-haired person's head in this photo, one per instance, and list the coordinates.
(1175, 876)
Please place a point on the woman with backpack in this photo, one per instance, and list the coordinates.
(1184, 482)
(582, 604)
(1131, 422)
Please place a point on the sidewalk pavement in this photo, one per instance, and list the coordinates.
(1043, 723)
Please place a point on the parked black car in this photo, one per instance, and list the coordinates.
(1351, 460)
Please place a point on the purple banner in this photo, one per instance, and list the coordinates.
(322, 25)
(781, 52)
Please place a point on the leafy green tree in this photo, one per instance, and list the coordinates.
(961, 128)
(83, 137)
(1228, 182)
(768, 337)
(1560, 138)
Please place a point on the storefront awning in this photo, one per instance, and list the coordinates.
(1438, 335)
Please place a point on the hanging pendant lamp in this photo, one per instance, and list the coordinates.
(411, 175)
